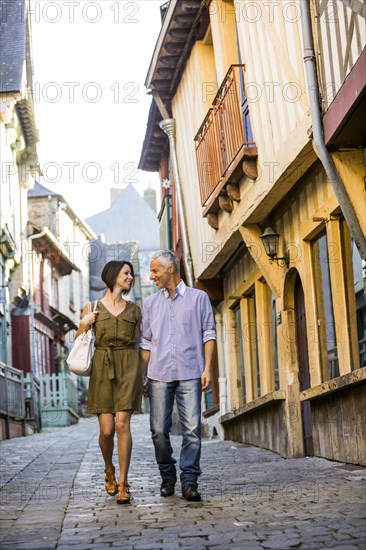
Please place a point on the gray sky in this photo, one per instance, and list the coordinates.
(90, 63)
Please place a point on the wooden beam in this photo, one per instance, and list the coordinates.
(272, 272)
(225, 203)
(233, 191)
(213, 220)
(179, 34)
(341, 382)
(357, 6)
(278, 395)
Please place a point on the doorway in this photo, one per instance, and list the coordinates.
(303, 363)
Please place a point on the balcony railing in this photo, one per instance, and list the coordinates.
(221, 141)
(59, 400)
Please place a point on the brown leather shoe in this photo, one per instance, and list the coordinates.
(110, 483)
(124, 495)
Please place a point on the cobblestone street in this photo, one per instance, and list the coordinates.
(53, 497)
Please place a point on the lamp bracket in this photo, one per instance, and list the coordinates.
(283, 262)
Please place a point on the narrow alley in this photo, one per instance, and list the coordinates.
(53, 498)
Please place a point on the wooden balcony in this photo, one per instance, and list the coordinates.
(223, 152)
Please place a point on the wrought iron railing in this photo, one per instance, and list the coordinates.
(221, 137)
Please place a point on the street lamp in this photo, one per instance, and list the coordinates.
(270, 241)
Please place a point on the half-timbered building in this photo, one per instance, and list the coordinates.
(267, 102)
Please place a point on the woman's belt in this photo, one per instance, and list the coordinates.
(108, 357)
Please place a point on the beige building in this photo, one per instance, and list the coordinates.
(59, 244)
(18, 150)
(44, 254)
(267, 100)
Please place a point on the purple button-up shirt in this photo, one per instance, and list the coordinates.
(174, 331)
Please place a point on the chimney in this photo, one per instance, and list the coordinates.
(150, 197)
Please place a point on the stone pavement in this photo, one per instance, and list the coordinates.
(53, 498)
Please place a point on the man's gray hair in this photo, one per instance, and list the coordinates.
(167, 258)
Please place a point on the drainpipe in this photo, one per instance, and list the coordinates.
(168, 126)
(318, 134)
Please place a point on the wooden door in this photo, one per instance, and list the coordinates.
(303, 363)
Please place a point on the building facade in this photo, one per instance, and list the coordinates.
(18, 149)
(19, 168)
(57, 253)
(270, 153)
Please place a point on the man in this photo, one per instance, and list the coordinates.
(177, 347)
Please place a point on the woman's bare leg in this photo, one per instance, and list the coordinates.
(124, 441)
(106, 441)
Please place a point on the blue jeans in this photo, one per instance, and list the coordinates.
(188, 397)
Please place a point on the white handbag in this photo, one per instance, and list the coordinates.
(80, 357)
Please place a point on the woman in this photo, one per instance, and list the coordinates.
(115, 386)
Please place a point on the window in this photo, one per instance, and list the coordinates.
(55, 290)
(255, 344)
(324, 305)
(209, 400)
(274, 340)
(39, 354)
(71, 291)
(250, 345)
(358, 283)
(248, 134)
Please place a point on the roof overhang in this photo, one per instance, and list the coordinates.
(47, 245)
(185, 22)
(63, 321)
(45, 320)
(154, 142)
(25, 112)
(344, 121)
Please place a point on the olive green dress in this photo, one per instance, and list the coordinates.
(116, 381)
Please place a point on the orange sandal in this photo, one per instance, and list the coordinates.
(124, 495)
(110, 483)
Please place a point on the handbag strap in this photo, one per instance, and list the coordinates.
(92, 308)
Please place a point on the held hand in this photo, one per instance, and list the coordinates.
(88, 320)
(205, 380)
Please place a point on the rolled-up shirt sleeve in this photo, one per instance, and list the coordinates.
(145, 340)
(208, 320)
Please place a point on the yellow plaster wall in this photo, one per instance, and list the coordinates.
(193, 99)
